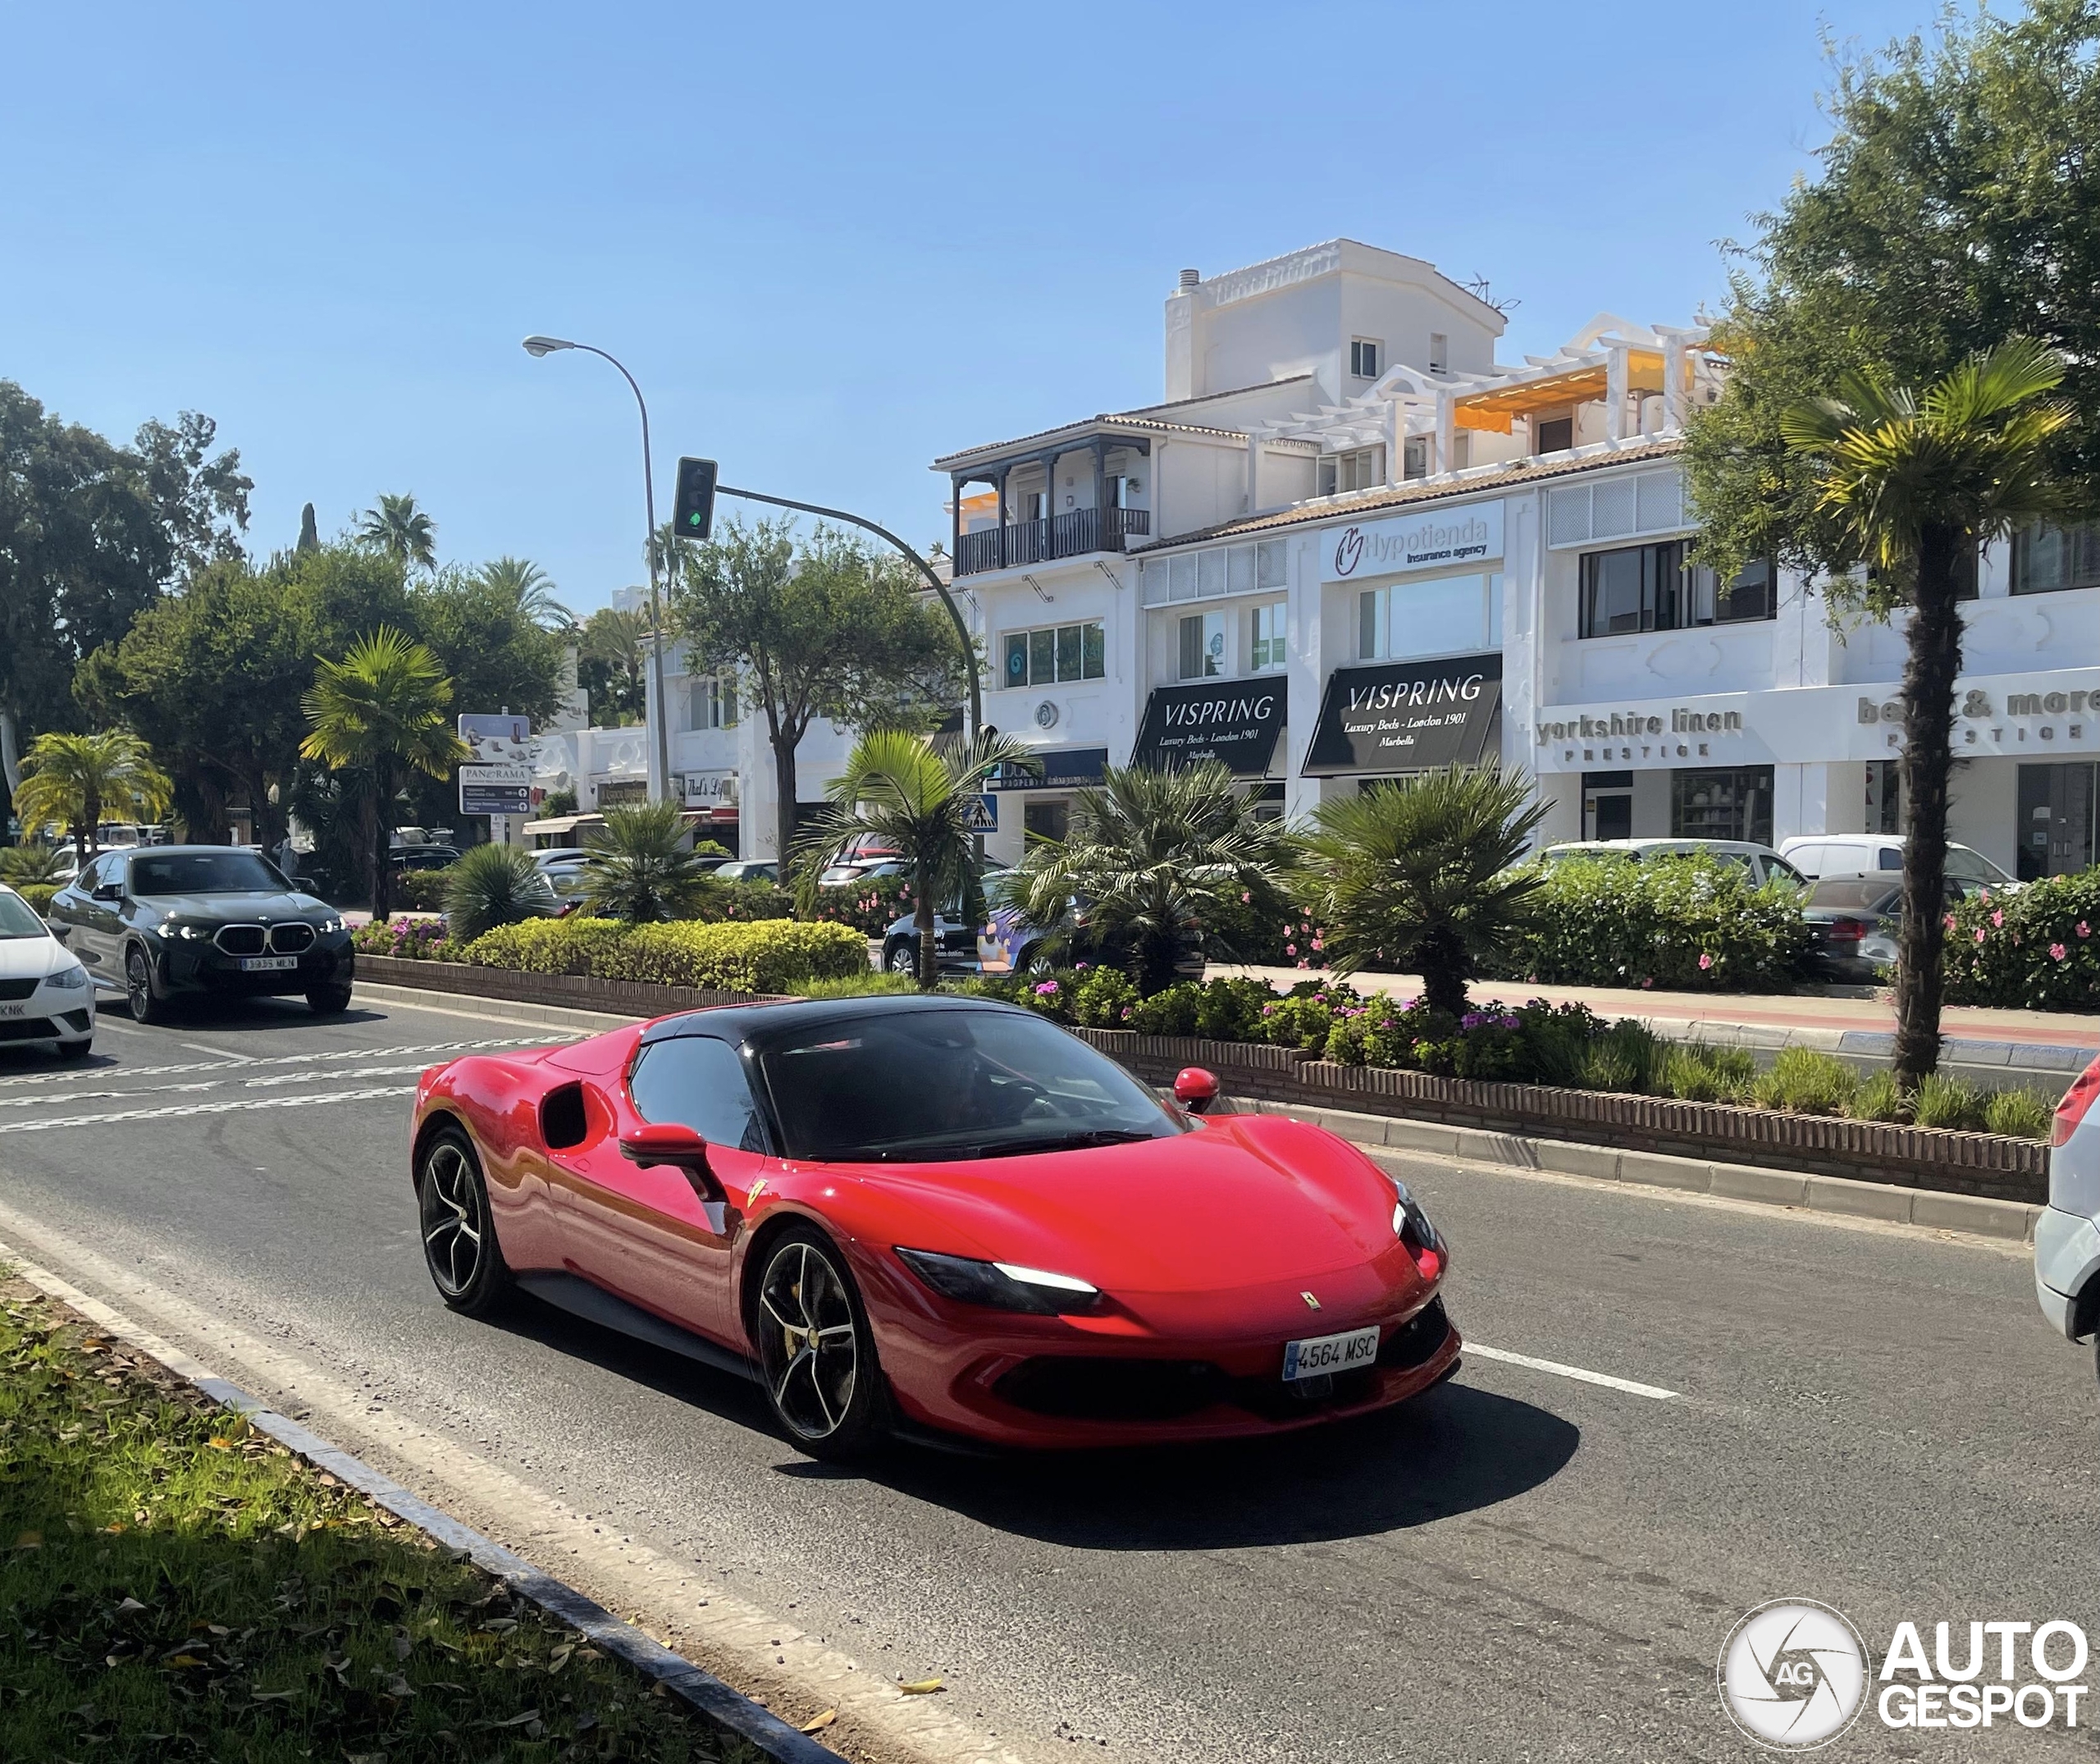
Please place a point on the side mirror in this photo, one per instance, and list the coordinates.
(666, 1142)
(1194, 1088)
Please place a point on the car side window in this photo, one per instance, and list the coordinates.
(697, 1081)
(101, 871)
(1784, 871)
(1892, 858)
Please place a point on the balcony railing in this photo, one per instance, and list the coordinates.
(1072, 535)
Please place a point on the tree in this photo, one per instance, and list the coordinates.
(915, 791)
(493, 885)
(1421, 872)
(401, 531)
(823, 628)
(91, 532)
(612, 665)
(380, 711)
(1914, 482)
(309, 530)
(75, 779)
(529, 589)
(641, 867)
(1148, 856)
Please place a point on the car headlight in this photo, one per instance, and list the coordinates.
(1411, 1226)
(327, 927)
(184, 929)
(68, 979)
(1000, 1286)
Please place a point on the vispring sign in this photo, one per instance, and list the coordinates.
(1448, 539)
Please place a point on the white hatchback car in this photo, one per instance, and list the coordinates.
(45, 992)
(2067, 1233)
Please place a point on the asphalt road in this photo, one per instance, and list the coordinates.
(1522, 1565)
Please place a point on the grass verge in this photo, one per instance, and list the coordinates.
(176, 1585)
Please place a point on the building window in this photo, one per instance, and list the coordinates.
(1414, 456)
(1554, 434)
(1041, 821)
(1202, 647)
(1121, 487)
(1449, 615)
(1342, 473)
(2046, 559)
(1733, 802)
(1266, 629)
(1649, 587)
(1055, 654)
(1229, 569)
(1038, 505)
(2056, 821)
(713, 704)
(1363, 353)
(1440, 353)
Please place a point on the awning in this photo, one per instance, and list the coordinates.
(1406, 716)
(1063, 769)
(1236, 721)
(559, 824)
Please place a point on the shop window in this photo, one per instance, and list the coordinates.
(1607, 805)
(1202, 652)
(1055, 654)
(1884, 798)
(2056, 821)
(1341, 472)
(2046, 559)
(1266, 637)
(1732, 802)
(1045, 820)
(1363, 353)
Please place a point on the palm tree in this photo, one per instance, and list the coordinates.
(32, 865)
(916, 792)
(1919, 480)
(75, 779)
(614, 643)
(530, 589)
(492, 885)
(1420, 871)
(1149, 855)
(641, 867)
(401, 530)
(381, 710)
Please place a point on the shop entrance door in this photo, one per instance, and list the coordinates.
(1607, 805)
(2056, 821)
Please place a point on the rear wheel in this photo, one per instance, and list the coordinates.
(813, 1344)
(459, 1243)
(326, 1001)
(900, 958)
(147, 1006)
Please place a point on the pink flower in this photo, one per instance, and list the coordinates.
(1979, 934)
(1305, 964)
(2058, 952)
(1999, 917)
(1288, 930)
(1648, 982)
(1291, 949)
(1705, 963)
(1319, 944)
(1950, 921)
(1244, 896)
(2083, 929)
(1047, 989)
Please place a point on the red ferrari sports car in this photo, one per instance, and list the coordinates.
(933, 1216)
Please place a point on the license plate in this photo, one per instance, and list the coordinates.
(267, 964)
(14, 1010)
(1320, 1355)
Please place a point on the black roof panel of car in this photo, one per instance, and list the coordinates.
(745, 1022)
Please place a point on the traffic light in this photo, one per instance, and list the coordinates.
(692, 516)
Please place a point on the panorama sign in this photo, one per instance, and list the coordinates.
(1447, 539)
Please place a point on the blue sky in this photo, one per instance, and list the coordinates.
(832, 241)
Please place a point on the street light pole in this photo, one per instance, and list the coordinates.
(537, 347)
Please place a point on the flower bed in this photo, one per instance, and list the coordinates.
(2037, 948)
(769, 955)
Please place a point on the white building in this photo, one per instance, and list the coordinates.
(1349, 545)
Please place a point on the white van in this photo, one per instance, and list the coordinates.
(1819, 856)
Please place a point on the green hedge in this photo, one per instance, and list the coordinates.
(1688, 924)
(2037, 948)
(39, 894)
(772, 955)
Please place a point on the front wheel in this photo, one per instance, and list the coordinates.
(459, 1243)
(147, 1006)
(69, 1050)
(328, 1001)
(815, 1347)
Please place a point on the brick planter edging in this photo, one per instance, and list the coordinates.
(1964, 1163)
(580, 992)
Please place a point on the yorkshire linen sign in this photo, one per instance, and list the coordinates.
(1448, 538)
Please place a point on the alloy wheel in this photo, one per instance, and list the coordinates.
(453, 1223)
(138, 987)
(903, 959)
(808, 1341)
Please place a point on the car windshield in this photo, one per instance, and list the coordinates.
(942, 1085)
(1851, 894)
(227, 872)
(18, 918)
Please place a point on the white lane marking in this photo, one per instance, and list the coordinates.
(1554, 1367)
(311, 1077)
(552, 1038)
(224, 1054)
(99, 1096)
(176, 1109)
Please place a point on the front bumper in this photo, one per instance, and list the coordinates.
(206, 971)
(53, 1013)
(2066, 1261)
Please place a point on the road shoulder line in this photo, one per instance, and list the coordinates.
(655, 1662)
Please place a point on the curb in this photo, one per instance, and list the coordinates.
(700, 1690)
(505, 1010)
(2008, 1221)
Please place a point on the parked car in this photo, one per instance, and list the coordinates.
(1764, 864)
(1855, 922)
(932, 1214)
(406, 857)
(2067, 1230)
(844, 875)
(748, 869)
(166, 921)
(1818, 855)
(1007, 942)
(563, 866)
(45, 996)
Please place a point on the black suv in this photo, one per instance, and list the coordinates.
(163, 921)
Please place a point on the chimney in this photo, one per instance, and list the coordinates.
(1190, 278)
